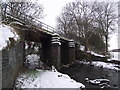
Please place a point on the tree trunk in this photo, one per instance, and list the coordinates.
(106, 44)
(86, 44)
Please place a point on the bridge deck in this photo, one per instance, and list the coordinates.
(36, 25)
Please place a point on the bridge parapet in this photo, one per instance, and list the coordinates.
(28, 20)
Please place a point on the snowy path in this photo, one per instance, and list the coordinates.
(46, 79)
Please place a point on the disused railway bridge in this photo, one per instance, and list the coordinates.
(55, 48)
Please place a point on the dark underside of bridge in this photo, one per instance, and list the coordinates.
(36, 36)
(40, 36)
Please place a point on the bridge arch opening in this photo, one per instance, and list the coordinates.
(37, 53)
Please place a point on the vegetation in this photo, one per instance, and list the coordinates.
(21, 15)
(22, 10)
(88, 23)
(32, 72)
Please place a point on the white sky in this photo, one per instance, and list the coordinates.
(113, 41)
(52, 9)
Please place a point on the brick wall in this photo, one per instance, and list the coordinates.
(12, 61)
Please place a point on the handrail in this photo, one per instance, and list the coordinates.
(33, 21)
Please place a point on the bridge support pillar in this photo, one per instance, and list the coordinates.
(56, 45)
(71, 51)
(46, 52)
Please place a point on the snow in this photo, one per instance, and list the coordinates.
(104, 83)
(94, 81)
(102, 65)
(82, 47)
(55, 39)
(5, 33)
(93, 53)
(26, 45)
(98, 81)
(105, 65)
(59, 43)
(55, 34)
(47, 79)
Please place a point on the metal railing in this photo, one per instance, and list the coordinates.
(28, 20)
(31, 21)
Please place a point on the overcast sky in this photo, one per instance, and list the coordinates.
(52, 9)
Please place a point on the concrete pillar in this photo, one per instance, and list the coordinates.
(56, 45)
(77, 49)
(71, 51)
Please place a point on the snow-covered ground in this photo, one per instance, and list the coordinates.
(103, 65)
(46, 79)
(41, 78)
(82, 48)
(95, 54)
(5, 33)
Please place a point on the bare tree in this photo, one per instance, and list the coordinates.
(22, 10)
(77, 18)
(105, 17)
(85, 19)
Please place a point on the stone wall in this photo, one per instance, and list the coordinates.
(12, 61)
